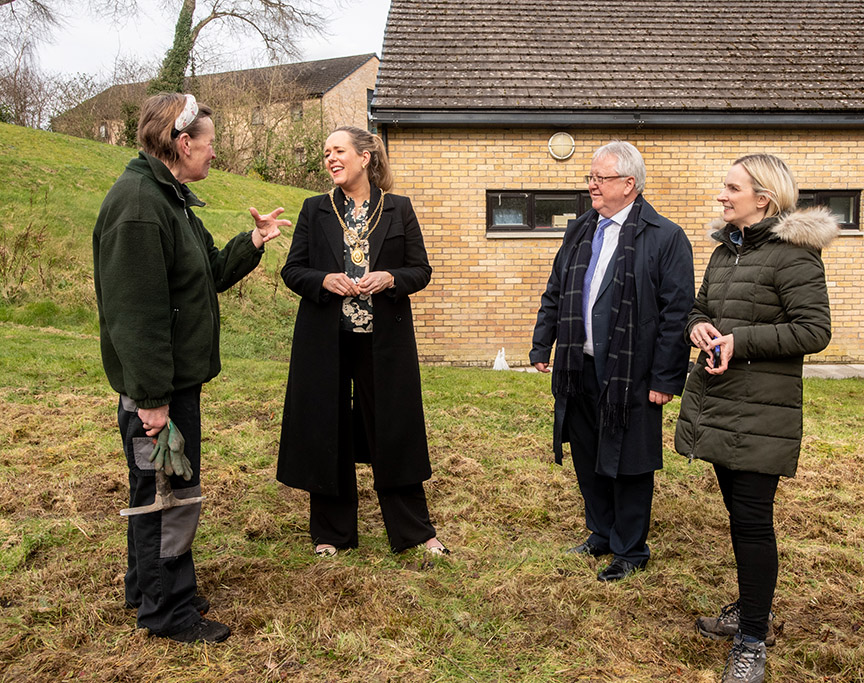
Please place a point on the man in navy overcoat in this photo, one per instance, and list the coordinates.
(615, 308)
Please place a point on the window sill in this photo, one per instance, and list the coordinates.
(525, 234)
(850, 233)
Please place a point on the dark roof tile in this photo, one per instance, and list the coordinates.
(601, 55)
(303, 79)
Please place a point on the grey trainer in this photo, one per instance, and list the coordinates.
(725, 624)
(746, 662)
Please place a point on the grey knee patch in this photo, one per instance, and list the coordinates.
(179, 524)
(143, 446)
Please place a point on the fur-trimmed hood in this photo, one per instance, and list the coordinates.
(814, 228)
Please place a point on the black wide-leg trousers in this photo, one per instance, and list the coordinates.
(333, 519)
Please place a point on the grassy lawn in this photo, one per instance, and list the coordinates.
(51, 187)
(508, 605)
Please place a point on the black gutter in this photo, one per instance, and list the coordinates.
(620, 118)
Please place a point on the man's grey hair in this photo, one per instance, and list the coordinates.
(629, 161)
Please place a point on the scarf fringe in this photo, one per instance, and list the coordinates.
(615, 416)
(567, 382)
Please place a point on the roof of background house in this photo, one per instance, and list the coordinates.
(307, 79)
(601, 55)
(312, 78)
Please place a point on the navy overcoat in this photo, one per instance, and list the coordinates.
(664, 293)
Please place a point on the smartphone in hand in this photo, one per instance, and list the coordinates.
(716, 356)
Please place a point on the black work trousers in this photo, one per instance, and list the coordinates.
(749, 498)
(160, 575)
(617, 510)
(333, 519)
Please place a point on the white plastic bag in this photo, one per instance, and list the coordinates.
(500, 361)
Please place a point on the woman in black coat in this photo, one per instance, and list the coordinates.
(354, 384)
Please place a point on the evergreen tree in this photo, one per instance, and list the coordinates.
(173, 71)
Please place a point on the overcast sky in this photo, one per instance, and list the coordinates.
(88, 46)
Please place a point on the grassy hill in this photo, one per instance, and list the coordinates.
(51, 188)
(508, 605)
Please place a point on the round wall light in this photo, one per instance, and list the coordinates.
(561, 146)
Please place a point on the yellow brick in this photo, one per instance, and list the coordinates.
(485, 292)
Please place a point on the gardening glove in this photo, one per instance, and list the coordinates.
(177, 463)
(168, 453)
(160, 452)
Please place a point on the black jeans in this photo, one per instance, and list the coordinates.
(333, 519)
(749, 498)
(160, 576)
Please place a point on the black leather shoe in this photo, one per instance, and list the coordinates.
(206, 631)
(588, 548)
(620, 569)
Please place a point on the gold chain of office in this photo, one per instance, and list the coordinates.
(355, 239)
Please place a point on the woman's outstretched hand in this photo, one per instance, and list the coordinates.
(267, 226)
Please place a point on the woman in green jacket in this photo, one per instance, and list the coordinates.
(157, 272)
(762, 306)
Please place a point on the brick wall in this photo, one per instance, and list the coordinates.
(485, 291)
(345, 103)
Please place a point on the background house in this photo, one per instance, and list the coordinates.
(491, 111)
(260, 113)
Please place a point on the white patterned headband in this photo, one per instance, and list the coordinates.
(187, 116)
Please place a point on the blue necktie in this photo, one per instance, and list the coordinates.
(596, 247)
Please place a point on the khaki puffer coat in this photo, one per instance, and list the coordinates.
(768, 290)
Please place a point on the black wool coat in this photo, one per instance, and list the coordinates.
(664, 294)
(309, 446)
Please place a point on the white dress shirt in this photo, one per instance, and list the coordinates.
(607, 251)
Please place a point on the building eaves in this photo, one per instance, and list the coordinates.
(619, 117)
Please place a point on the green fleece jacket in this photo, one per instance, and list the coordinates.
(157, 272)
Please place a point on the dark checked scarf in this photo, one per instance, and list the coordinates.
(569, 360)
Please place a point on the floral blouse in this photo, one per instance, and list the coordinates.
(356, 310)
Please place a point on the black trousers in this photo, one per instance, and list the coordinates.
(160, 574)
(333, 519)
(749, 498)
(617, 510)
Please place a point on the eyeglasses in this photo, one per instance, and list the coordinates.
(600, 179)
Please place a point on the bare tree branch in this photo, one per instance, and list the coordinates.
(274, 23)
(33, 21)
(28, 96)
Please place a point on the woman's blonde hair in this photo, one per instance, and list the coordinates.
(378, 169)
(772, 179)
(156, 125)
